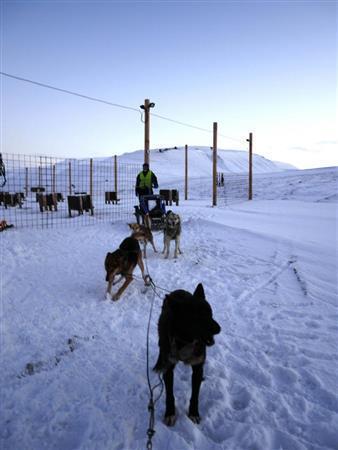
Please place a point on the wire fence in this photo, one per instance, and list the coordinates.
(45, 192)
(234, 188)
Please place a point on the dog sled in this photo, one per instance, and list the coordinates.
(151, 207)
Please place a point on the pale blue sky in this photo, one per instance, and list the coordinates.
(264, 67)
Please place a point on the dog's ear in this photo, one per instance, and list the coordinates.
(130, 225)
(215, 327)
(199, 292)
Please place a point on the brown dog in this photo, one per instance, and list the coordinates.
(142, 234)
(123, 262)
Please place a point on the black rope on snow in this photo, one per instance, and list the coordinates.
(149, 282)
(151, 405)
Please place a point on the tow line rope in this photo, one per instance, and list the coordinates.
(149, 282)
(152, 402)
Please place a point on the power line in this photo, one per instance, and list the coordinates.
(181, 123)
(70, 92)
(117, 105)
(193, 126)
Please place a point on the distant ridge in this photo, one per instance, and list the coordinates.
(169, 163)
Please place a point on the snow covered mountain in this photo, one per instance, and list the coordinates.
(169, 163)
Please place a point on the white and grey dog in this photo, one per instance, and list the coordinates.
(171, 231)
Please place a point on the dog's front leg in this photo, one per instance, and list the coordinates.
(147, 221)
(170, 413)
(166, 248)
(111, 278)
(177, 247)
(124, 286)
(145, 249)
(153, 244)
(196, 380)
(140, 264)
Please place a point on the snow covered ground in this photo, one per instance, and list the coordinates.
(73, 365)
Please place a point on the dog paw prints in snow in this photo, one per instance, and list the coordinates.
(219, 426)
(314, 391)
(240, 397)
(319, 355)
(240, 400)
(312, 324)
(283, 377)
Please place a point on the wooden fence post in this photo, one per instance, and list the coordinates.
(91, 177)
(115, 174)
(53, 179)
(250, 166)
(70, 177)
(214, 166)
(186, 174)
(26, 180)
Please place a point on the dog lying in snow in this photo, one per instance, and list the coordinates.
(171, 231)
(4, 225)
(185, 329)
(123, 262)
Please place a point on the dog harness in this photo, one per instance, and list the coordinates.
(192, 353)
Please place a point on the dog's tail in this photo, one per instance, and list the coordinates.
(161, 365)
(158, 366)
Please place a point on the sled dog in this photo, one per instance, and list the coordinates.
(123, 262)
(142, 234)
(171, 231)
(185, 328)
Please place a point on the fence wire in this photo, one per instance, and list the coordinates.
(40, 190)
(46, 192)
(233, 189)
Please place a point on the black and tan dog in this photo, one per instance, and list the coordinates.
(185, 329)
(123, 262)
(142, 234)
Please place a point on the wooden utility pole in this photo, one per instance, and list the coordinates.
(250, 166)
(146, 131)
(186, 174)
(147, 105)
(214, 166)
